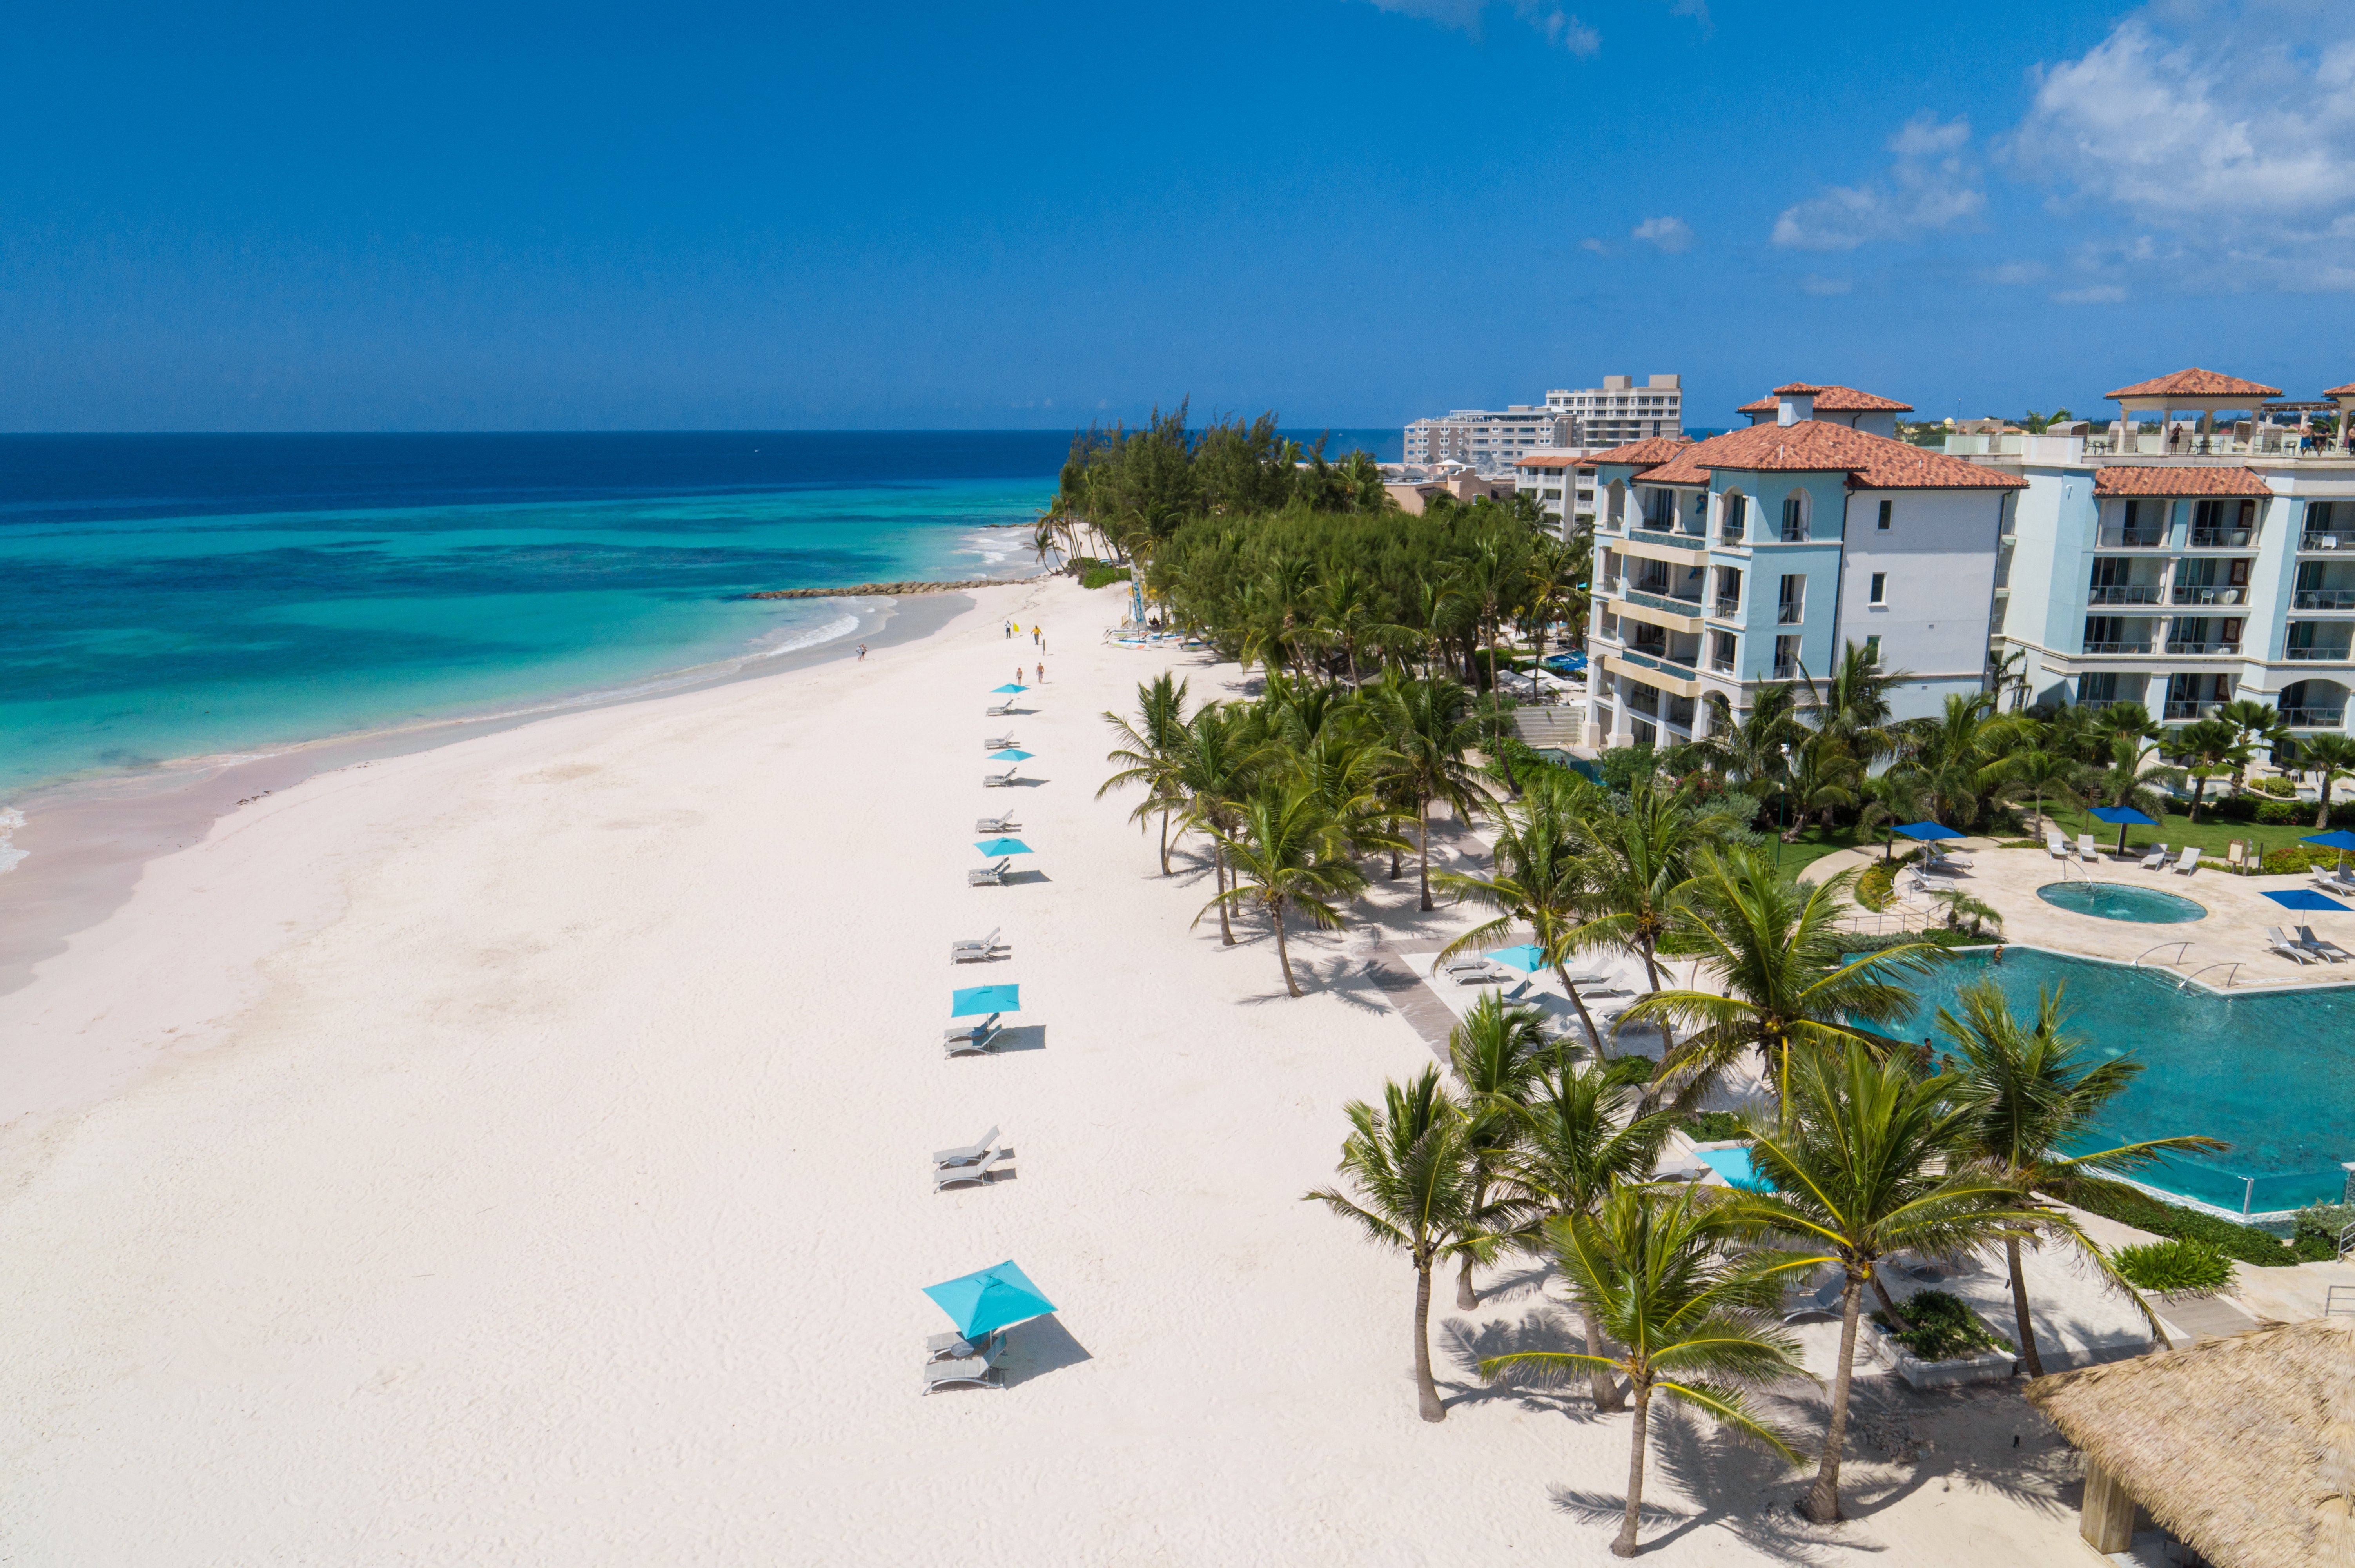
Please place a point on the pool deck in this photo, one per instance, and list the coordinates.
(2234, 930)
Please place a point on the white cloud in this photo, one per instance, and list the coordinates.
(1673, 235)
(2100, 293)
(1590, 243)
(1825, 288)
(1933, 185)
(2227, 124)
(1557, 27)
(2014, 273)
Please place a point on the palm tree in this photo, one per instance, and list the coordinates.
(1638, 866)
(2130, 779)
(1787, 985)
(1430, 729)
(2030, 769)
(1343, 603)
(1821, 774)
(2254, 724)
(1538, 878)
(1859, 1170)
(1488, 583)
(1891, 798)
(2032, 1091)
(2205, 748)
(1585, 1135)
(1149, 752)
(1287, 854)
(2332, 757)
(1497, 1053)
(1691, 1310)
(1216, 761)
(1347, 767)
(1753, 750)
(1853, 706)
(1949, 752)
(1411, 1164)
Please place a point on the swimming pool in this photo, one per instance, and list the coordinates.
(1733, 1164)
(2110, 900)
(2273, 1076)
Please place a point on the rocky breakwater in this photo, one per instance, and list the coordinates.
(889, 590)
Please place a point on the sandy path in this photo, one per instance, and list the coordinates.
(544, 1183)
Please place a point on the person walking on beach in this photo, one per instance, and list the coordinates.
(1042, 674)
(862, 654)
(1009, 631)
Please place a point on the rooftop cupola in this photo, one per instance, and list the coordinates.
(1795, 402)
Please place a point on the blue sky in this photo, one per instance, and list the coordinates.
(495, 217)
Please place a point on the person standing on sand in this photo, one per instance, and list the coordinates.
(862, 654)
(1042, 674)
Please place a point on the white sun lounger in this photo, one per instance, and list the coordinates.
(2285, 946)
(1005, 824)
(954, 1347)
(2056, 846)
(1464, 961)
(1485, 975)
(1002, 709)
(2188, 864)
(988, 876)
(972, 1038)
(1000, 780)
(2086, 849)
(977, 1174)
(969, 1152)
(2329, 950)
(968, 1371)
(2155, 859)
(997, 744)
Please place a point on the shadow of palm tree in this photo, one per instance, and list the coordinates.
(1739, 1487)
(1464, 1345)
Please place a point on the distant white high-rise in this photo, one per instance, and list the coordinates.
(1493, 441)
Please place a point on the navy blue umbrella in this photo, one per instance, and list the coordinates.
(2337, 838)
(2306, 898)
(2126, 816)
(1928, 830)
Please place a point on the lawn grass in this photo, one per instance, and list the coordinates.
(1813, 844)
(2179, 831)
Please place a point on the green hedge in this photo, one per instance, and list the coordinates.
(2180, 1266)
(1712, 1126)
(2229, 1237)
(1944, 1328)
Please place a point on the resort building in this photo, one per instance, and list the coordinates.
(1563, 483)
(1751, 557)
(2182, 562)
(1838, 405)
(1492, 441)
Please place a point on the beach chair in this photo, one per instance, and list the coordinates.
(2155, 859)
(2316, 945)
(969, 1152)
(1591, 977)
(2285, 946)
(1941, 858)
(2056, 845)
(972, 1038)
(2086, 849)
(1002, 711)
(2188, 864)
(1485, 974)
(973, 1175)
(952, 1346)
(968, 1371)
(989, 876)
(1000, 780)
(1005, 824)
(997, 743)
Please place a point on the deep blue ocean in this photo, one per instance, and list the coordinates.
(167, 597)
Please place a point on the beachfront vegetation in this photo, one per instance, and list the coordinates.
(2178, 1267)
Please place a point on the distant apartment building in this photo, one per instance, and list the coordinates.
(1755, 556)
(1493, 441)
(2182, 562)
(1563, 483)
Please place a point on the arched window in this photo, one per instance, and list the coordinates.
(1733, 516)
(1615, 508)
(2314, 705)
(1794, 515)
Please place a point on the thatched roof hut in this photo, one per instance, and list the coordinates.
(2244, 1447)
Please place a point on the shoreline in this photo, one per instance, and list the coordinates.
(83, 843)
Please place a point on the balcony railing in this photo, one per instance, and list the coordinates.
(2210, 596)
(2192, 709)
(2314, 718)
(1727, 610)
(2141, 647)
(1681, 712)
(2326, 652)
(2206, 647)
(1789, 615)
(2324, 599)
(1656, 586)
(1722, 666)
(1785, 672)
(2133, 539)
(1641, 703)
(2331, 540)
(2127, 593)
(2223, 539)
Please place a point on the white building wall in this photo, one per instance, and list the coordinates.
(1937, 558)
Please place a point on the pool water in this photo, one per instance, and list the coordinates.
(2273, 1076)
(1733, 1164)
(2111, 901)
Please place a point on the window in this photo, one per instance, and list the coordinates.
(1791, 607)
(1786, 657)
(1734, 520)
(1887, 507)
(1872, 650)
(1660, 509)
(1879, 588)
(1721, 652)
(1795, 517)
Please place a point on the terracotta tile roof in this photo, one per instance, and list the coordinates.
(1645, 454)
(2346, 392)
(2229, 480)
(1813, 446)
(1830, 401)
(1554, 460)
(2196, 383)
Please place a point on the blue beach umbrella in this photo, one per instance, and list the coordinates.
(1526, 957)
(976, 1001)
(995, 689)
(1011, 755)
(985, 1301)
(2126, 816)
(2306, 898)
(2337, 838)
(1929, 830)
(1003, 847)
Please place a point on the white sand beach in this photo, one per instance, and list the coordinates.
(515, 1152)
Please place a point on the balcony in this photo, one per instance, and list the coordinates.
(2334, 539)
(1721, 665)
(2323, 599)
(2127, 593)
(2223, 539)
(2115, 649)
(2192, 709)
(2326, 652)
(2314, 718)
(2133, 539)
(1680, 713)
(2224, 594)
(2206, 647)
(1647, 701)
(1727, 610)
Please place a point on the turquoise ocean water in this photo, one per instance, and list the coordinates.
(171, 598)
